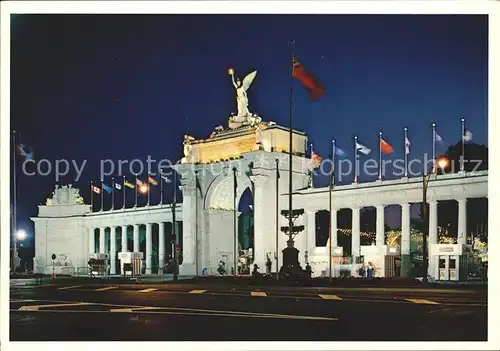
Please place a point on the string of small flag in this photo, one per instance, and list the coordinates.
(385, 148)
(139, 186)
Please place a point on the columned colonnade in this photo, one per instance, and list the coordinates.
(112, 250)
(380, 226)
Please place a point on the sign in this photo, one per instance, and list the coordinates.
(446, 249)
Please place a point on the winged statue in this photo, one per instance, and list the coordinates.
(241, 95)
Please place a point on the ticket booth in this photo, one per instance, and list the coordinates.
(130, 263)
(448, 262)
(98, 264)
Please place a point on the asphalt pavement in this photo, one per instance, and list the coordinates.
(104, 311)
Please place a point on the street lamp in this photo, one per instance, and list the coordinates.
(18, 235)
(441, 162)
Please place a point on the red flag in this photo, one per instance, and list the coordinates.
(316, 159)
(385, 147)
(96, 189)
(311, 83)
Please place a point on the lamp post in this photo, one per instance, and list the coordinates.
(18, 235)
(442, 162)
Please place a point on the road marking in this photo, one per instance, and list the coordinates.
(132, 309)
(106, 288)
(37, 307)
(423, 301)
(147, 290)
(329, 297)
(197, 291)
(69, 287)
(258, 293)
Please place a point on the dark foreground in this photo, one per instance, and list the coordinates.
(94, 311)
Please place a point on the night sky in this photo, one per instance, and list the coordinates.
(128, 86)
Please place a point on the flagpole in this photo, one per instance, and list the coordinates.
(14, 210)
(356, 159)
(102, 195)
(113, 194)
(463, 146)
(124, 189)
(149, 190)
(434, 148)
(406, 154)
(161, 189)
(312, 172)
(135, 187)
(380, 155)
(235, 234)
(174, 226)
(91, 196)
(290, 159)
(277, 215)
(332, 179)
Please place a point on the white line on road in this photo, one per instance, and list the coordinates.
(69, 287)
(37, 307)
(258, 293)
(147, 290)
(106, 288)
(329, 297)
(423, 301)
(197, 291)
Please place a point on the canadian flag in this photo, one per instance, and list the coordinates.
(96, 190)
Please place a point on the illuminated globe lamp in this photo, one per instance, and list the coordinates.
(21, 234)
(230, 71)
(442, 162)
(143, 188)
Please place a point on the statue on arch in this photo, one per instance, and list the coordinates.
(241, 95)
(187, 148)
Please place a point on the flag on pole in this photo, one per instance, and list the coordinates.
(128, 185)
(118, 186)
(312, 84)
(316, 159)
(107, 188)
(152, 180)
(467, 136)
(385, 147)
(363, 149)
(96, 189)
(138, 181)
(339, 151)
(165, 178)
(407, 146)
(25, 151)
(439, 139)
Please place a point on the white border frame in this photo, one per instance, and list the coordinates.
(256, 7)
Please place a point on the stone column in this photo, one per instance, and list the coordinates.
(433, 235)
(189, 194)
(149, 247)
(136, 237)
(310, 232)
(262, 213)
(112, 250)
(91, 241)
(405, 240)
(405, 229)
(161, 244)
(380, 232)
(124, 238)
(102, 237)
(355, 246)
(333, 228)
(433, 222)
(462, 222)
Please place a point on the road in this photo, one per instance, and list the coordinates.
(99, 311)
